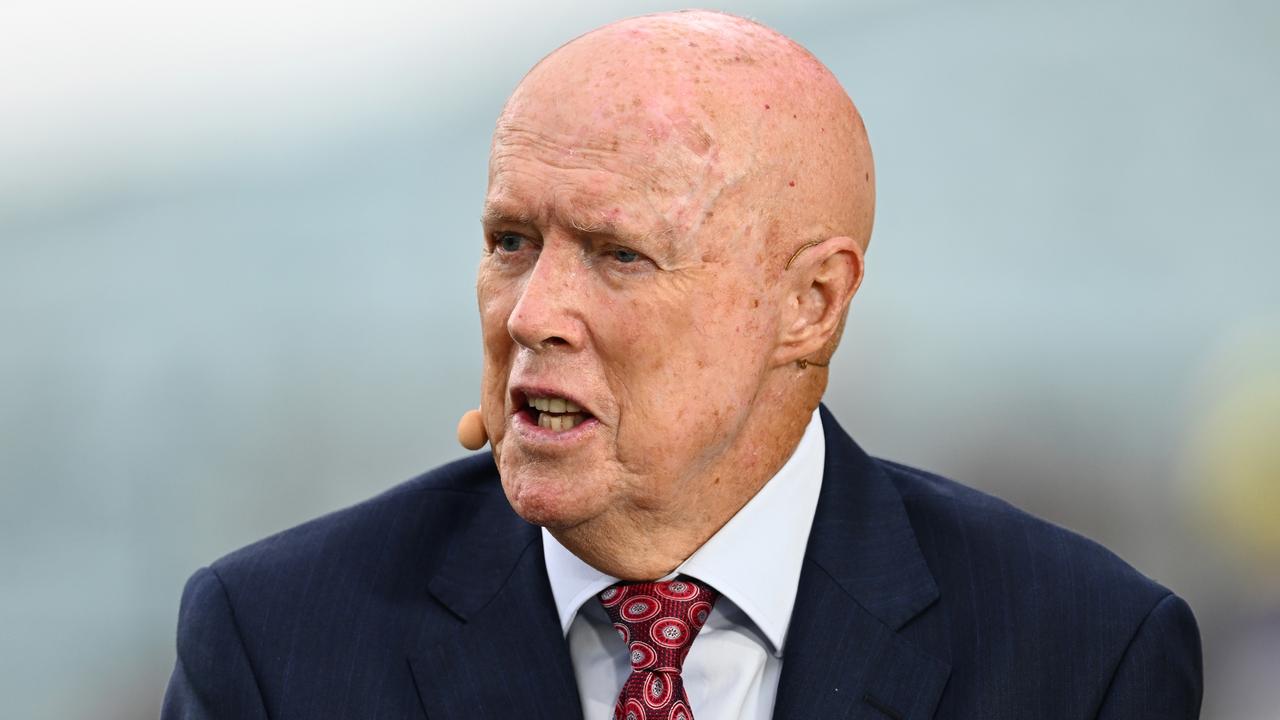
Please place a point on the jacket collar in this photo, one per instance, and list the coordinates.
(862, 536)
(504, 651)
(864, 579)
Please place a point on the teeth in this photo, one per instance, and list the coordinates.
(557, 413)
(554, 404)
(559, 423)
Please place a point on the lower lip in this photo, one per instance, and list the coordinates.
(528, 430)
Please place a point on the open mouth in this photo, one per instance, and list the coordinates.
(555, 413)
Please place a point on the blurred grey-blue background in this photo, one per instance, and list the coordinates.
(237, 246)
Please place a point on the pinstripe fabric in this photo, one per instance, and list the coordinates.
(918, 598)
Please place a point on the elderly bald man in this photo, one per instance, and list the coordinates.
(669, 523)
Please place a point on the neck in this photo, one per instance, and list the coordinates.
(669, 535)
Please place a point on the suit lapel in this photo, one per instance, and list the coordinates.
(506, 655)
(863, 579)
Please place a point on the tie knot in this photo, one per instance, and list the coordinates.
(659, 620)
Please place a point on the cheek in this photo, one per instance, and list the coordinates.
(496, 299)
(495, 305)
(688, 370)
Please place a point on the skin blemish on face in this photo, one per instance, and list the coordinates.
(696, 138)
(766, 106)
(792, 183)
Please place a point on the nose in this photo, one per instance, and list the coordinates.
(545, 315)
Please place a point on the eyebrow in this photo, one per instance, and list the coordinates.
(663, 236)
(494, 215)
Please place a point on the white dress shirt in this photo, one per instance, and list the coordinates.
(754, 561)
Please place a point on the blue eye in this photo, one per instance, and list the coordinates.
(509, 242)
(623, 255)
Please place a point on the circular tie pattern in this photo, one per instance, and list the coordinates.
(658, 622)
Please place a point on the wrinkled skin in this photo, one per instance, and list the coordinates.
(648, 184)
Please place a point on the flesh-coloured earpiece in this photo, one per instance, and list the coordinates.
(471, 431)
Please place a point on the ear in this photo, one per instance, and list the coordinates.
(820, 282)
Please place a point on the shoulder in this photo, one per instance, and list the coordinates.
(1024, 599)
(957, 523)
(260, 627)
(367, 543)
(1000, 570)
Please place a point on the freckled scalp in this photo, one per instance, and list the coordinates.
(750, 126)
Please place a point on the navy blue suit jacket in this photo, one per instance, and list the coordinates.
(918, 598)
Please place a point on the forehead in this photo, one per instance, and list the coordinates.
(595, 177)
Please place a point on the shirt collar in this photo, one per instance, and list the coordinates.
(754, 559)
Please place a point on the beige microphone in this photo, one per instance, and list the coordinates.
(471, 430)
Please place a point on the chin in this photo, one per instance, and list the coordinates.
(550, 497)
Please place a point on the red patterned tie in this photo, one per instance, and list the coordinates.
(658, 621)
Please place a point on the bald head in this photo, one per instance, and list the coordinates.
(733, 116)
